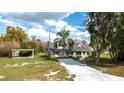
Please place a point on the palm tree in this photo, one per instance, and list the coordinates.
(63, 40)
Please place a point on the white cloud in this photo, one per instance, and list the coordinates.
(41, 21)
(37, 17)
(50, 22)
(56, 23)
(71, 28)
(74, 32)
(41, 33)
(8, 22)
(60, 25)
(80, 35)
(86, 33)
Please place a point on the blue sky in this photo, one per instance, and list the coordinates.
(76, 18)
(39, 23)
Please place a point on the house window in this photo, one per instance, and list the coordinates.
(56, 52)
(68, 53)
(78, 53)
(88, 53)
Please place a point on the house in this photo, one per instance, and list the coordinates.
(81, 50)
(78, 50)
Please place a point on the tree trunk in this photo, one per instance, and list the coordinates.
(94, 54)
(97, 57)
(113, 55)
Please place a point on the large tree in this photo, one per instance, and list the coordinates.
(106, 31)
(116, 36)
(63, 40)
(16, 34)
(97, 28)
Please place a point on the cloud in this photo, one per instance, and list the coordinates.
(60, 25)
(57, 24)
(10, 22)
(37, 17)
(69, 27)
(40, 23)
(40, 33)
(75, 33)
(86, 33)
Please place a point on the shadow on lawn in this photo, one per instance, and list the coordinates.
(45, 57)
(104, 62)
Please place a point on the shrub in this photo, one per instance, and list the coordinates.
(29, 45)
(25, 53)
(6, 47)
(121, 56)
(76, 58)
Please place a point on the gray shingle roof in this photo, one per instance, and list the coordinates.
(80, 48)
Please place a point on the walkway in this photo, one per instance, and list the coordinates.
(86, 73)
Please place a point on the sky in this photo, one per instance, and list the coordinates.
(40, 23)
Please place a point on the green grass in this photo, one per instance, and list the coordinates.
(105, 56)
(32, 71)
(90, 60)
(106, 66)
(114, 70)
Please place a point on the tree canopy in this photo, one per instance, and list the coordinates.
(107, 32)
(63, 40)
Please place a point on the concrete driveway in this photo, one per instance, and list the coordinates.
(86, 73)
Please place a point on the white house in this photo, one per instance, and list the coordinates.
(78, 50)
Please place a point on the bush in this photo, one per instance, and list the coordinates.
(76, 58)
(121, 56)
(25, 53)
(6, 47)
(29, 45)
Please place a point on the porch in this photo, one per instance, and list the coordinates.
(69, 53)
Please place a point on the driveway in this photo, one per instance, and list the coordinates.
(86, 73)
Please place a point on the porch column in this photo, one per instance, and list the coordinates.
(74, 54)
(82, 55)
(90, 53)
(86, 54)
(32, 53)
(65, 53)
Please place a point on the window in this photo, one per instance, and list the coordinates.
(78, 53)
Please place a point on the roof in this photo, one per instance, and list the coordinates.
(80, 48)
(56, 49)
(76, 47)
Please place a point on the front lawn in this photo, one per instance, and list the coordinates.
(106, 65)
(38, 68)
(107, 56)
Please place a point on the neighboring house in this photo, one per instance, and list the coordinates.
(78, 50)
